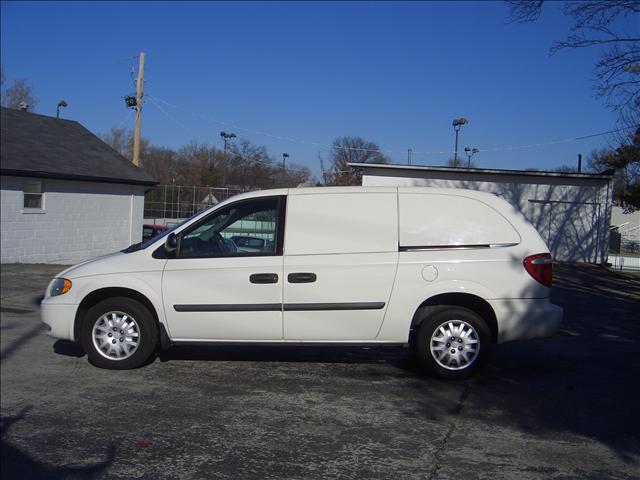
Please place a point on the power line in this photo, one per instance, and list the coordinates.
(192, 132)
(173, 119)
(419, 152)
(124, 120)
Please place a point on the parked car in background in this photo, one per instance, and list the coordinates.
(449, 272)
(150, 231)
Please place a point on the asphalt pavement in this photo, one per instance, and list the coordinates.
(559, 408)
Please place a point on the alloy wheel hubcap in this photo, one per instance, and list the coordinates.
(116, 335)
(455, 345)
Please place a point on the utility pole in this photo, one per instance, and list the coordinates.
(284, 160)
(139, 94)
(225, 138)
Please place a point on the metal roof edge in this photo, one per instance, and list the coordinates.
(491, 171)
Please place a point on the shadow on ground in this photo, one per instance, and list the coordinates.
(17, 464)
(68, 349)
(584, 381)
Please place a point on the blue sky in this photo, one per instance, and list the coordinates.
(396, 73)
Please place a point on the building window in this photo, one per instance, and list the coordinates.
(33, 195)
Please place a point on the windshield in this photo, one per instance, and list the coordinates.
(142, 245)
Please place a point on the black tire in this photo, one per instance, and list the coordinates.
(147, 334)
(434, 318)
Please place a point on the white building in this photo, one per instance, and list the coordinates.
(66, 196)
(571, 211)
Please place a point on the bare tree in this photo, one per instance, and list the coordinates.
(121, 140)
(118, 139)
(196, 164)
(250, 165)
(566, 169)
(199, 165)
(523, 11)
(625, 162)
(461, 163)
(295, 175)
(160, 163)
(18, 92)
(597, 24)
(346, 150)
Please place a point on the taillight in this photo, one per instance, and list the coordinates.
(540, 267)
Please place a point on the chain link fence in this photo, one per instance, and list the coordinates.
(169, 204)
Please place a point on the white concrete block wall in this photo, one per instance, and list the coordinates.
(571, 215)
(80, 220)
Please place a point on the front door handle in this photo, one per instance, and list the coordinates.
(302, 277)
(264, 278)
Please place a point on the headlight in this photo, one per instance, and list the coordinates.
(59, 286)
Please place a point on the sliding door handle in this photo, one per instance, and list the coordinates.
(264, 278)
(302, 277)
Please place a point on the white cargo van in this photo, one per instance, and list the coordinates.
(449, 272)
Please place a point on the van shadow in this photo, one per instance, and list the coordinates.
(37, 300)
(68, 349)
(582, 384)
(398, 357)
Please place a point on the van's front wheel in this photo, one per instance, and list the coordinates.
(119, 333)
(453, 342)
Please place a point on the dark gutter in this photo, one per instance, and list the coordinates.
(85, 178)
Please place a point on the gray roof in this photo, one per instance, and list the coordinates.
(35, 145)
(607, 175)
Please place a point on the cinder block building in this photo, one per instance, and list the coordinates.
(66, 196)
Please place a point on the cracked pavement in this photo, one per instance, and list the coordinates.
(558, 408)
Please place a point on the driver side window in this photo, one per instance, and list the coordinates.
(247, 228)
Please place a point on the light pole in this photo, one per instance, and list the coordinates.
(225, 137)
(285, 155)
(457, 124)
(61, 103)
(470, 151)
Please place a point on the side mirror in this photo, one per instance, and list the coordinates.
(171, 243)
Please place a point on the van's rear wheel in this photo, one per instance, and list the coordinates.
(453, 342)
(119, 333)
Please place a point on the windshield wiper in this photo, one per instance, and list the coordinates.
(132, 248)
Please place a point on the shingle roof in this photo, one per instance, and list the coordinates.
(40, 146)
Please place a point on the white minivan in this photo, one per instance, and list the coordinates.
(448, 272)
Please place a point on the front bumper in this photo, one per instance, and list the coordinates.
(520, 319)
(59, 317)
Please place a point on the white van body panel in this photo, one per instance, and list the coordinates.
(199, 281)
(341, 223)
(341, 279)
(349, 240)
(59, 312)
(468, 221)
(380, 262)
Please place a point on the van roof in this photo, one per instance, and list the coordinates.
(356, 189)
